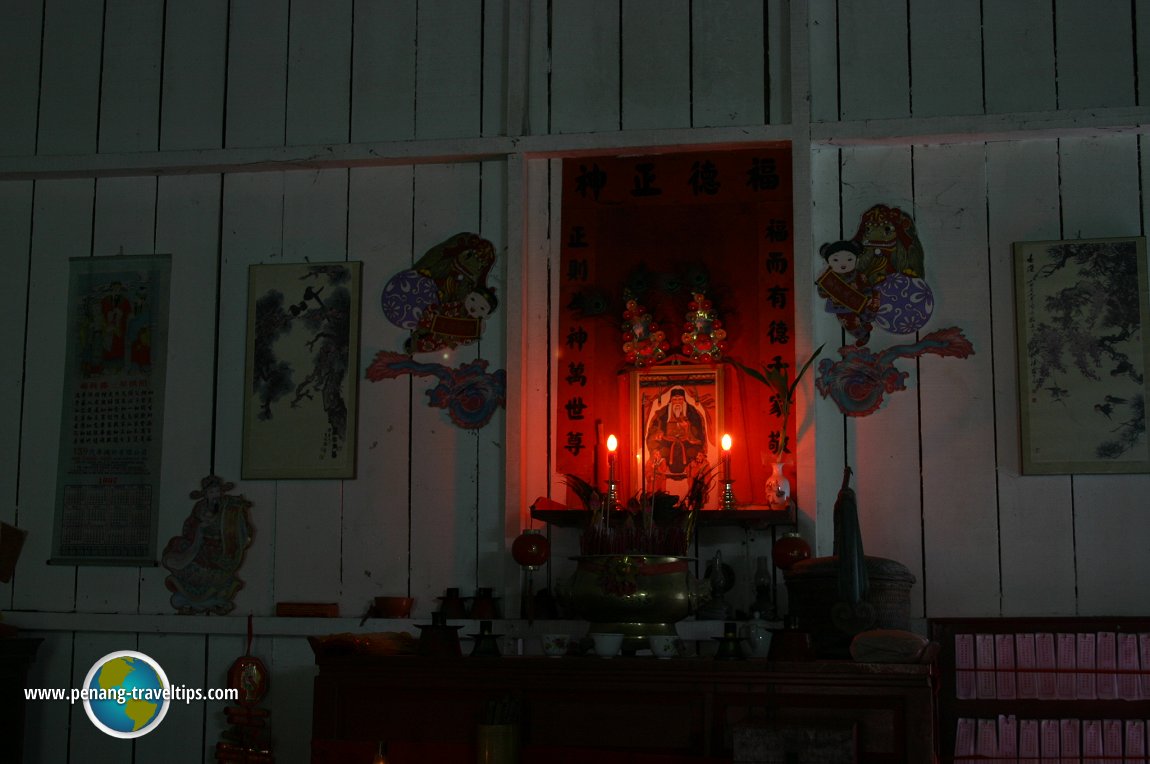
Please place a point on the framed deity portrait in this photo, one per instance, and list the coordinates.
(676, 427)
(1083, 355)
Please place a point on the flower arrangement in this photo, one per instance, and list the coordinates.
(653, 524)
(782, 393)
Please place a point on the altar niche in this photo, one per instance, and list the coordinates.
(672, 261)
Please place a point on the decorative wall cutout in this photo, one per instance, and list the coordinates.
(857, 382)
(205, 557)
(444, 299)
(876, 280)
(469, 394)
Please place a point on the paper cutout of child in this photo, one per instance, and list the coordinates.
(849, 294)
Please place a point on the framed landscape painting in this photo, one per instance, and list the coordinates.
(1082, 317)
(302, 370)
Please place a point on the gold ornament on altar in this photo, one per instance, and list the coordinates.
(644, 343)
(703, 336)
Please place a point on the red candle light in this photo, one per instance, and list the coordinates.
(612, 444)
(726, 457)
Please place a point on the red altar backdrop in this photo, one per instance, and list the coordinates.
(659, 228)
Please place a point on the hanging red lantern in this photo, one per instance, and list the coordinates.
(790, 548)
(531, 549)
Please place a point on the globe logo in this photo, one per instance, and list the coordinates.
(126, 694)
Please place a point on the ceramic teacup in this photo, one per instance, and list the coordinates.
(555, 645)
(663, 646)
(607, 645)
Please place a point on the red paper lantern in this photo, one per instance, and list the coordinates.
(789, 549)
(531, 549)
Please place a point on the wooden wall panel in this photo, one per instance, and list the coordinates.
(383, 71)
(1142, 56)
(656, 76)
(84, 739)
(180, 737)
(1099, 187)
(816, 519)
(130, 77)
(824, 61)
(70, 76)
(538, 86)
(292, 665)
(319, 72)
(1100, 197)
(493, 555)
(1018, 56)
(873, 67)
(257, 74)
(308, 512)
(1035, 516)
(884, 446)
(529, 328)
(187, 228)
(15, 248)
(1095, 53)
(496, 67)
(448, 72)
(584, 63)
(728, 63)
(195, 58)
(61, 228)
(20, 39)
(376, 511)
(251, 232)
(444, 478)
(220, 651)
(945, 58)
(959, 502)
(44, 726)
(778, 55)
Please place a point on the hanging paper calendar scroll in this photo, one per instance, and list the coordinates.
(111, 426)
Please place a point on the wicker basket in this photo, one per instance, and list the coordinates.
(812, 593)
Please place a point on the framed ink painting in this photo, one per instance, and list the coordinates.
(301, 371)
(1082, 317)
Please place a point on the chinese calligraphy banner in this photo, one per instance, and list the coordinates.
(111, 428)
(651, 237)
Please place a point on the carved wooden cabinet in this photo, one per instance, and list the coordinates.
(623, 709)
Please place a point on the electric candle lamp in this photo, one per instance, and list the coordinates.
(612, 444)
(612, 497)
(726, 457)
(728, 494)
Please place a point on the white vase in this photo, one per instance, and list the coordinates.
(778, 488)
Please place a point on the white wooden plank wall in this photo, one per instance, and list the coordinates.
(1035, 521)
(432, 505)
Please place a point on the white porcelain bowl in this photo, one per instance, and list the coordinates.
(555, 645)
(663, 646)
(607, 645)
